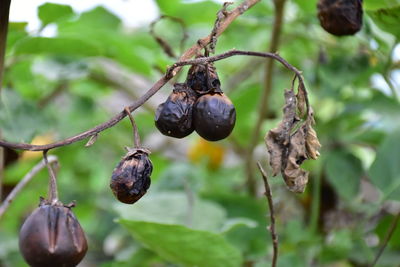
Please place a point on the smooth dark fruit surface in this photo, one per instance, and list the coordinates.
(340, 17)
(174, 116)
(131, 178)
(52, 236)
(214, 116)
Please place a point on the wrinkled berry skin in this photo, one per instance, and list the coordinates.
(52, 236)
(174, 116)
(340, 17)
(214, 116)
(203, 79)
(131, 178)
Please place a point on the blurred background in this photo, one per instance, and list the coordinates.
(71, 65)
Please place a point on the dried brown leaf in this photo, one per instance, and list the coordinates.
(92, 140)
(288, 151)
(278, 138)
(301, 101)
(296, 178)
(312, 143)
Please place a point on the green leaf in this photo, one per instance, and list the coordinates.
(99, 17)
(61, 46)
(374, 4)
(189, 12)
(16, 31)
(185, 246)
(385, 170)
(344, 172)
(173, 208)
(388, 19)
(50, 12)
(338, 247)
(19, 120)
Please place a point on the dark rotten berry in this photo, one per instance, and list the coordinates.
(174, 116)
(203, 79)
(340, 17)
(214, 116)
(131, 178)
(52, 236)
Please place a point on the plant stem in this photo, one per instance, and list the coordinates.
(24, 181)
(136, 137)
(53, 192)
(194, 50)
(263, 105)
(388, 236)
(271, 228)
(4, 14)
(154, 89)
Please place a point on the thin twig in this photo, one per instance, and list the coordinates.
(271, 228)
(136, 137)
(162, 42)
(194, 50)
(157, 86)
(263, 103)
(220, 17)
(388, 236)
(53, 191)
(59, 89)
(24, 181)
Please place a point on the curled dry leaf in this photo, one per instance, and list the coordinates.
(295, 177)
(277, 139)
(312, 142)
(301, 101)
(288, 150)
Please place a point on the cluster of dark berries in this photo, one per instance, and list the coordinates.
(197, 105)
(340, 17)
(52, 236)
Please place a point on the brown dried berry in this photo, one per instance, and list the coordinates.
(131, 178)
(52, 236)
(340, 17)
(203, 79)
(214, 116)
(174, 116)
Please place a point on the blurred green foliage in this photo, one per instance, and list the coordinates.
(197, 213)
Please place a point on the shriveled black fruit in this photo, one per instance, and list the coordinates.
(214, 116)
(203, 79)
(340, 17)
(174, 116)
(131, 178)
(52, 236)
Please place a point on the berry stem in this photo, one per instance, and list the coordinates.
(53, 192)
(23, 182)
(136, 137)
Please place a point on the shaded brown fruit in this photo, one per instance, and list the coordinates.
(52, 236)
(203, 79)
(174, 116)
(214, 116)
(340, 17)
(131, 178)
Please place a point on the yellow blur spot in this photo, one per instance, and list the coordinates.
(373, 61)
(38, 140)
(211, 152)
